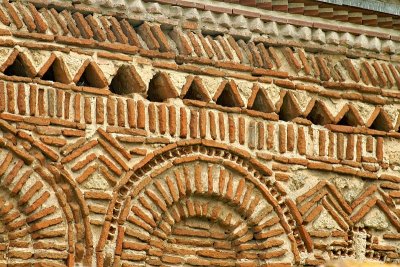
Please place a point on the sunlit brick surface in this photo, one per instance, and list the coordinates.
(176, 133)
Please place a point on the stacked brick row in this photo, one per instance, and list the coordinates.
(55, 101)
(147, 38)
(133, 141)
(308, 8)
(128, 116)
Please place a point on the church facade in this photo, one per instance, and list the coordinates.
(199, 133)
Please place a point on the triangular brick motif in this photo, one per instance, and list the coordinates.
(367, 206)
(161, 88)
(100, 163)
(289, 108)
(260, 101)
(162, 133)
(18, 64)
(380, 120)
(325, 221)
(55, 70)
(90, 75)
(228, 95)
(195, 90)
(349, 116)
(375, 219)
(319, 114)
(320, 198)
(127, 81)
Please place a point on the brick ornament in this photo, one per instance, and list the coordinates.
(187, 134)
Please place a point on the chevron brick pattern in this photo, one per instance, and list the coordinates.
(186, 134)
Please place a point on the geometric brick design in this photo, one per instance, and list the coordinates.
(169, 133)
(243, 217)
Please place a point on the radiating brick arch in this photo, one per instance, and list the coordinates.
(31, 213)
(78, 220)
(175, 184)
(14, 228)
(39, 207)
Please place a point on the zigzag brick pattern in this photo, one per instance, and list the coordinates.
(169, 133)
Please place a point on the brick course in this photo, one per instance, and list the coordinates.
(179, 133)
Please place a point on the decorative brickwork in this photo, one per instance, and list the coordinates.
(173, 133)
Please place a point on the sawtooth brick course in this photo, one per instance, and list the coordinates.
(143, 138)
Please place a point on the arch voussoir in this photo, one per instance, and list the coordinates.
(208, 183)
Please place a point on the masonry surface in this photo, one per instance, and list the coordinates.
(175, 133)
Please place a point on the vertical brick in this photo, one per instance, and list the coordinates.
(41, 103)
(301, 141)
(212, 124)
(162, 118)
(379, 149)
(21, 99)
(242, 130)
(210, 180)
(311, 139)
(290, 137)
(88, 110)
(251, 134)
(67, 102)
(120, 238)
(282, 138)
(99, 110)
(77, 108)
(197, 179)
(261, 136)
(331, 147)
(172, 120)
(340, 146)
(221, 124)
(111, 111)
(271, 137)
(194, 123)
(229, 188)
(141, 115)
(369, 146)
(350, 147)
(131, 113)
(322, 142)
(359, 148)
(32, 99)
(203, 123)
(50, 102)
(60, 100)
(2, 97)
(120, 112)
(152, 117)
(99, 255)
(232, 129)
(183, 123)
(10, 98)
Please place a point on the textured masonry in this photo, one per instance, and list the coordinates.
(201, 133)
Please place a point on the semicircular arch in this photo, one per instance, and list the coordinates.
(160, 177)
(38, 199)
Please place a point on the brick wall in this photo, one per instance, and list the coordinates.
(168, 133)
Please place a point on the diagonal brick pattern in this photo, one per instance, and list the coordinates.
(176, 133)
